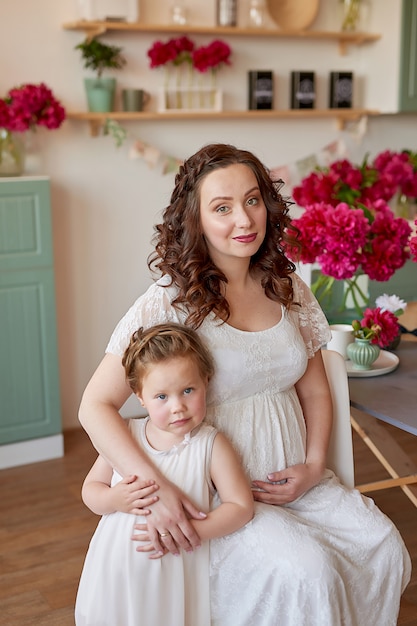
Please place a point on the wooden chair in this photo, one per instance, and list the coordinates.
(408, 321)
(340, 456)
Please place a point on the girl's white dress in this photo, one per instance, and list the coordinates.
(331, 558)
(122, 587)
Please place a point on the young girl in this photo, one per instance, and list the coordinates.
(168, 368)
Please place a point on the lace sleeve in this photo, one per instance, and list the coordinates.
(311, 321)
(153, 307)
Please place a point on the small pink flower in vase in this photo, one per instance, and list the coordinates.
(212, 57)
(173, 54)
(379, 327)
(180, 52)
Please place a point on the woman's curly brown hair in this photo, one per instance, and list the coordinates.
(181, 251)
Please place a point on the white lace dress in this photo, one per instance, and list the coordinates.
(122, 587)
(329, 559)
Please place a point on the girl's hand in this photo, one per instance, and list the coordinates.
(134, 495)
(289, 484)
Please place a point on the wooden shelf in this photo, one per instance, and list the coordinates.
(93, 29)
(342, 116)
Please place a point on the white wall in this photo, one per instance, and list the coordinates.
(105, 204)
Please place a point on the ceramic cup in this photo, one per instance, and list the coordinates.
(342, 336)
(134, 99)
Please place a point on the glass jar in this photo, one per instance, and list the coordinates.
(12, 153)
(355, 15)
(257, 13)
(178, 14)
(226, 12)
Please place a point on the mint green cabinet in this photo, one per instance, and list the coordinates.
(29, 380)
(408, 75)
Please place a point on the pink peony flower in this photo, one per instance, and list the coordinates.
(176, 51)
(28, 106)
(212, 56)
(399, 170)
(347, 226)
(182, 49)
(334, 237)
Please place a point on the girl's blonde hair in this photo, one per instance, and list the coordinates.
(160, 343)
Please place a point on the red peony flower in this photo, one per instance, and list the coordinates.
(29, 106)
(174, 51)
(212, 56)
(182, 49)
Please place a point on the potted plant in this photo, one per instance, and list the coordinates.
(98, 57)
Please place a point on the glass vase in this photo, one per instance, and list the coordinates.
(12, 153)
(362, 353)
(341, 300)
(351, 15)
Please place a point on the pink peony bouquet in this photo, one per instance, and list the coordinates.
(348, 228)
(389, 173)
(346, 240)
(29, 106)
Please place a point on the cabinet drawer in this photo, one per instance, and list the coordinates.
(29, 383)
(25, 225)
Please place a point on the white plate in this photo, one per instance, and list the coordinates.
(385, 363)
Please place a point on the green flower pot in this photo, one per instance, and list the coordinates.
(362, 353)
(100, 94)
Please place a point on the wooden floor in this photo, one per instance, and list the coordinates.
(45, 530)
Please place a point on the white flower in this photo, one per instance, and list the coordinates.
(391, 303)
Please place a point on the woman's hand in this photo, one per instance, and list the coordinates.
(288, 484)
(315, 399)
(169, 528)
(147, 546)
